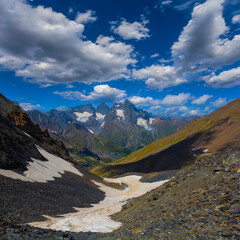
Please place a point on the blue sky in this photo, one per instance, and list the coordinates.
(172, 58)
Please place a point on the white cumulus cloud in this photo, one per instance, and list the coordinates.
(154, 55)
(203, 43)
(86, 17)
(225, 79)
(180, 99)
(29, 106)
(194, 112)
(135, 30)
(236, 19)
(143, 100)
(61, 108)
(219, 102)
(44, 46)
(167, 2)
(160, 77)
(101, 92)
(183, 109)
(201, 100)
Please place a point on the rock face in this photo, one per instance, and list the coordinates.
(18, 136)
(16, 149)
(45, 122)
(122, 126)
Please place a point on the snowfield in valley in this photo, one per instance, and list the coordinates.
(97, 218)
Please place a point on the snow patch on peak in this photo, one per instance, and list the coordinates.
(83, 117)
(90, 130)
(143, 123)
(99, 116)
(120, 114)
(102, 125)
(151, 121)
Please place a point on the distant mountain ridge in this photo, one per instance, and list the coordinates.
(113, 132)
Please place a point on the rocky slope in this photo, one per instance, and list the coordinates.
(208, 134)
(19, 134)
(201, 202)
(37, 175)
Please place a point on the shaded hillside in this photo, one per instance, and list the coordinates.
(16, 149)
(211, 133)
(13, 114)
(163, 127)
(37, 175)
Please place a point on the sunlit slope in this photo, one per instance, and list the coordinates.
(219, 129)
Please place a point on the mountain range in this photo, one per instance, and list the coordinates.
(98, 135)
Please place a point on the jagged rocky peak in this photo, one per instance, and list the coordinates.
(127, 111)
(102, 109)
(45, 121)
(84, 108)
(124, 105)
(60, 116)
(7, 106)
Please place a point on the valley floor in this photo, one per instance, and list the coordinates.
(200, 202)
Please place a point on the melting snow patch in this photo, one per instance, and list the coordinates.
(90, 131)
(200, 152)
(83, 117)
(151, 121)
(27, 134)
(143, 123)
(97, 218)
(43, 171)
(120, 114)
(99, 116)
